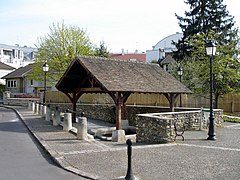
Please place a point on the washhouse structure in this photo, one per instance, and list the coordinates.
(119, 79)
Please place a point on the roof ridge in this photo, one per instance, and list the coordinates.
(111, 59)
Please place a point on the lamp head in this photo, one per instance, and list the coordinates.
(45, 67)
(180, 71)
(210, 48)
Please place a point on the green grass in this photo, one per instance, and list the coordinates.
(231, 119)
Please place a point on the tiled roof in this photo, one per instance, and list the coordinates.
(133, 56)
(119, 76)
(20, 72)
(6, 67)
(169, 59)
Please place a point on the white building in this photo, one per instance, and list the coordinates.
(163, 47)
(16, 56)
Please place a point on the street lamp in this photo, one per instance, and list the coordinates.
(180, 73)
(45, 70)
(211, 50)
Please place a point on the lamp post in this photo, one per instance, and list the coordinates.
(45, 70)
(211, 50)
(180, 73)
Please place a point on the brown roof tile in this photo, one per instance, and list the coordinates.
(6, 67)
(20, 72)
(133, 56)
(116, 75)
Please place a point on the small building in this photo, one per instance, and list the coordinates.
(17, 56)
(4, 70)
(163, 48)
(167, 63)
(134, 57)
(118, 79)
(17, 82)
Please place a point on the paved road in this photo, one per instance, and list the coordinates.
(21, 157)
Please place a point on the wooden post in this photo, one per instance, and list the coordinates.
(119, 113)
(171, 99)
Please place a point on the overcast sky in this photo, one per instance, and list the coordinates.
(128, 24)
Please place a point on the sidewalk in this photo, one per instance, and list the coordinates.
(194, 158)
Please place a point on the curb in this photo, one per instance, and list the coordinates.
(53, 154)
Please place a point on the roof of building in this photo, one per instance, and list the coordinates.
(169, 59)
(140, 57)
(167, 42)
(101, 75)
(24, 48)
(20, 72)
(6, 67)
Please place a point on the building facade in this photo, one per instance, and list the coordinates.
(163, 48)
(16, 56)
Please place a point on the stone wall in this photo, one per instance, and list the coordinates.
(106, 112)
(159, 127)
(154, 130)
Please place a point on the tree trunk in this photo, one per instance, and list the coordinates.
(216, 101)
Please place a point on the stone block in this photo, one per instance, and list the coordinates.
(118, 136)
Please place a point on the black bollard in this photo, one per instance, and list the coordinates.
(82, 114)
(129, 175)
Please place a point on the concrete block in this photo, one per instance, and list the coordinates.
(67, 122)
(118, 136)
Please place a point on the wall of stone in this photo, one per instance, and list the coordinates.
(154, 130)
(148, 126)
(107, 113)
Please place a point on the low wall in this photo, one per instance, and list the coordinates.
(159, 127)
(18, 101)
(107, 112)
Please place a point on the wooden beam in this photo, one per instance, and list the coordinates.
(94, 89)
(119, 99)
(74, 98)
(171, 97)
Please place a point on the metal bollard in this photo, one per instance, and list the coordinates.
(129, 175)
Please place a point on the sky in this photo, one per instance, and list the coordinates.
(127, 24)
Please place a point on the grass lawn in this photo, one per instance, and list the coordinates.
(229, 117)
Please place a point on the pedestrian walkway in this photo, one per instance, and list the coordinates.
(194, 158)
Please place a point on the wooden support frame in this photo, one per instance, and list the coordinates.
(74, 98)
(171, 97)
(119, 99)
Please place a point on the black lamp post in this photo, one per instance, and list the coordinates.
(45, 70)
(211, 50)
(180, 73)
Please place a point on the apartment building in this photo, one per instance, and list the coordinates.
(16, 56)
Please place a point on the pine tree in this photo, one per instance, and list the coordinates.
(204, 16)
(209, 20)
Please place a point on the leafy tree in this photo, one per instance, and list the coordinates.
(101, 51)
(209, 20)
(58, 48)
(2, 89)
(226, 66)
(204, 16)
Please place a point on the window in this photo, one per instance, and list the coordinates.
(11, 84)
(31, 82)
(19, 54)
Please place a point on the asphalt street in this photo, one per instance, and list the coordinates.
(21, 157)
(195, 158)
